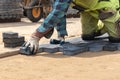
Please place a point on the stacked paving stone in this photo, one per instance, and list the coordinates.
(11, 39)
(77, 45)
(10, 9)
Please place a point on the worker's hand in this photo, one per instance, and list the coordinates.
(31, 46)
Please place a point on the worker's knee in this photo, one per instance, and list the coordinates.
(117, 26)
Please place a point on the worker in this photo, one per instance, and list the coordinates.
(55, 19)
(99, 17)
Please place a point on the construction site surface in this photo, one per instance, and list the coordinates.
(98, 57)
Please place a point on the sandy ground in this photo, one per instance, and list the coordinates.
(85, 66)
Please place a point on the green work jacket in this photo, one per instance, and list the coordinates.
(98, 4)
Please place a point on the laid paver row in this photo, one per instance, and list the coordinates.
(77, 45)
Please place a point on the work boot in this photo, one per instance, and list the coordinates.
(88, 37)
(91, 36)
(114, 40)
(60, 40)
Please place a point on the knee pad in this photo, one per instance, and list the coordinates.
(118, 26)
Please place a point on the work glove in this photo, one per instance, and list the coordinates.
(31, 46)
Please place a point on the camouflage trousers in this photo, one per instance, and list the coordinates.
(56, 19)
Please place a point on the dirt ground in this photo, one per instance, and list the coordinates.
(85, 66)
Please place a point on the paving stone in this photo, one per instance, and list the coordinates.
(10, 35)
(74, 40)
(72, 49)
(79, 42)
(75, 51)
(118, 46)
(13, 45)
(97, 46)
(77, 45)
(110, 47)
(50, 48)
(25, 51)
(60, 49)
(13, 40)
(40, 50)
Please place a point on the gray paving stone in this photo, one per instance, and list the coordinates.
(13, 40)
(10, 35)
(60, 48)
(110, 47)
(97, 46)
(50, 48)
(75, 51)
(96, 49)
(79, 42)
(74, 40)
(40, 50)
(13, 45)
(77, 45)
(118, 46)
(72, 49)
